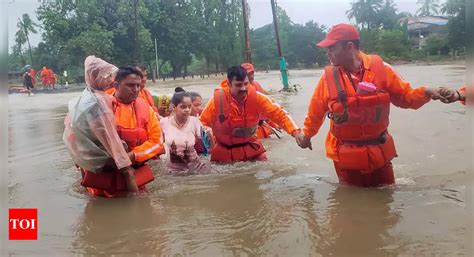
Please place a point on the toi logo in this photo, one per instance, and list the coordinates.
(23, 224)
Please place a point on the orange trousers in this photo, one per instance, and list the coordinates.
(380, 177)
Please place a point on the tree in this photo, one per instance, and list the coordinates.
(456, 10)
(27, 26)
(365, 12)
(388, 16)
(428, 7)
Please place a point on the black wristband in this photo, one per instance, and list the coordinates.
(459, 95)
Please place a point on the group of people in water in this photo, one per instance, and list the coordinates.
(117, 125)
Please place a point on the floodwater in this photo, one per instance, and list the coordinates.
(289, 206)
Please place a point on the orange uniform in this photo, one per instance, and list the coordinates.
(258, 87)
(351, 155)
(463, 90)
(33, 75)
(125, 117)
(126, 120)
(44, 74)
(266, 107)
(144, 94)
(401, 95)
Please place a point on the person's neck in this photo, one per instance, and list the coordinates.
(121, 100)
(180, 120)
(238, 98)
(354, 65)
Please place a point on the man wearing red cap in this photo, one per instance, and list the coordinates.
(356, 92)
(266, 127)
(250, 74)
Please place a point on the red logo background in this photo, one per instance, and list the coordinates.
(25, 233)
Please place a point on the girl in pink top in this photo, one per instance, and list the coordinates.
(181, 132)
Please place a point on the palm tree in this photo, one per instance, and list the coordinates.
(20, 40)
(26, 26)
(428, 7)
(365, 12)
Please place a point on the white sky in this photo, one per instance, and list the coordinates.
(326, 12)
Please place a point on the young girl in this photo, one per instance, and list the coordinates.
(181, 132)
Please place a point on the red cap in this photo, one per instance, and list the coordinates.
(339, 32)
(248, 67)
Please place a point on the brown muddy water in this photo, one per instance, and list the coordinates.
(289, 206)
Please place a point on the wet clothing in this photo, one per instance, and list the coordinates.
(146, 95)
(399, 92)
(230, 147)
(180, 141)
(28, 80)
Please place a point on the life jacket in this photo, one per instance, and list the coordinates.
(235, 134)
(110, 179)
(258, 87)
(360, 122)
(149, 99)
(135, 136)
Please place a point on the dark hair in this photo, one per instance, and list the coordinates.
(194, 95)
(142, 67)
(179, 89)
(355, 42)
(178, 97)
(236, 72)
(126, 71)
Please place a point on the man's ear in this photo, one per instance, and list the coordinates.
(115, 84)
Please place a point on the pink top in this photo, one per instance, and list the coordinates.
(181, 156)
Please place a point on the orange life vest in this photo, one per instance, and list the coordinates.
(149, 99)
(235, 134)
(360, 122)
(111, 180)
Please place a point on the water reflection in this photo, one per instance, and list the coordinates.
(118, 226)
(359, 222)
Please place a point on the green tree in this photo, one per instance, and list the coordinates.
(428, 7)
(365, 12)
(388, 16)
(456, 10)
(27, 26)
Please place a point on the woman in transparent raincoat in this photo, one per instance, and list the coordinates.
(90, 133)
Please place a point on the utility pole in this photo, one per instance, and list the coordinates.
(248, 51)
(283, 69)
(136, 48)
(156, 60)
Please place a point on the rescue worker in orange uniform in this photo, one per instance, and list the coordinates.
(44, 75)
(265, 127)
(137, 125)
(358, 141)
(233, 114)
(33, 75)
(145, 94)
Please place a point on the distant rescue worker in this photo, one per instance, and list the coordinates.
(44, 75)
(33, 75)
(145, 94)
(233, 114)
(265, 127)
(355, 92)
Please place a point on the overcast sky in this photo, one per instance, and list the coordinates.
(327, 12)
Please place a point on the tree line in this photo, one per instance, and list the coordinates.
(206, 36)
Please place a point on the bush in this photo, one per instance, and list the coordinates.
(437, 45)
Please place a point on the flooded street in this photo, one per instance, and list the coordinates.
(289, 206)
